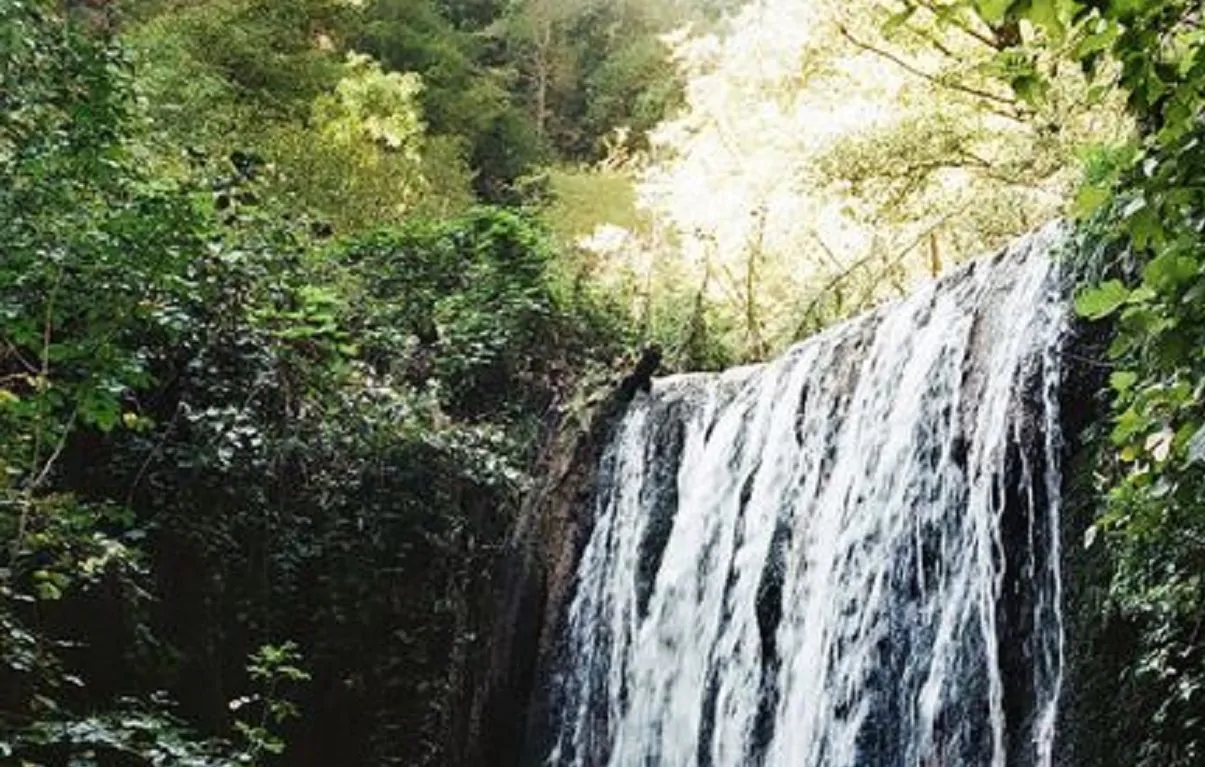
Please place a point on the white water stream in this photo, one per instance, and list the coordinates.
(845, 557)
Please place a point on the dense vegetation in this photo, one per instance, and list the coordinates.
(1154, 488)
(250, 473)
(1141, 211)
(290, 291)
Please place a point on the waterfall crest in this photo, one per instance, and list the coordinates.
(848, 556)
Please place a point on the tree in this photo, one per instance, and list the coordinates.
(592, 67)
(466, 99)
(226, 435)
(92, 279)
(364, 158)
(838, 162)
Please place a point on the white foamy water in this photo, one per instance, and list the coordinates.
(845, 557)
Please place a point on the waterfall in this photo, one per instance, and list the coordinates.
(847, 556)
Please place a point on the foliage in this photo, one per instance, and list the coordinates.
(360, 159)
(224, 434)
(477, 292)
(224, 74)
(467, 97)
(828, 155)
(334, 133)
(273, 667)
(589, 68)
(76, 222)
(1154, 491)
(134, 732)
(270, 378)
(209, 68)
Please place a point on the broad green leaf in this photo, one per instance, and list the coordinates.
(1089, 198)
(1168, 271)
(1123, 380)
(1128, 424)
(1142, 294)
(993, 11)
(1045, 14)
(1146, 230)
(1101, 301)
(1098, 41)
(1196, 447)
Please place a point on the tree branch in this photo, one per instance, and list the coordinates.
(13, 351)
(962, 25)
(917, 71)
(864, 261)
(42, 475)
(828, 252)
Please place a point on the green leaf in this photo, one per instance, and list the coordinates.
(993, 11)
(1128, 424)
(1101, 301)
(898, 20)
(1146, 229)
(1097, 42)
(1089, 198)
(1123, 380)
(1030, 88)
(1045, 14)
(100, 408)
(1168, 271)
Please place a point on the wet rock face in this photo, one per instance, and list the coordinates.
(1099, 707)
(511, 702)
(849, 556)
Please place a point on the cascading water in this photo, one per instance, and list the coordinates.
(848, 556)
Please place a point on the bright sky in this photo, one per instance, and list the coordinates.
(752, 132)
(766, 101)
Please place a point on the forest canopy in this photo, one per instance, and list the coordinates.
(292, 291)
